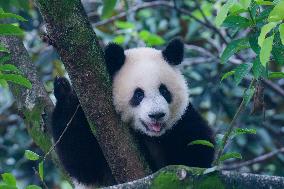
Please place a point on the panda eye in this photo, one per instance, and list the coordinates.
(165, 93)
(137, 97)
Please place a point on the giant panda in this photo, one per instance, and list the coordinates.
(149, 93)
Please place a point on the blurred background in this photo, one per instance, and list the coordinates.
(154, 23)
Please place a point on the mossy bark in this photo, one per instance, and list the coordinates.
(34, 104)
(183, 177)
(70, 32)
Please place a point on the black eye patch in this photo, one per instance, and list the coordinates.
(165, 93)
(137, 97)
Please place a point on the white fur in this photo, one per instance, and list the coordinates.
(147, 69)
(78, 185)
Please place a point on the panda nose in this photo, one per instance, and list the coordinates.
(157, 115)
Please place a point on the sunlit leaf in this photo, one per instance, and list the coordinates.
(201, 142)
(262, 2)
(265, 30)
(276, 75)
(108, 6)
(240, 72)
(40, 170)
(277, 12)
(228, 74)
(9, 67)
(11, 15)
(33, 187)
(124, 25)
(151, 39)
(30, 155)
(230, 155)
(9, 179)
(281, 31)
(18, 79)
(245, 3)
(119, 39)
(236, 9)
(222, 14)
(10, 29)
(266, 50)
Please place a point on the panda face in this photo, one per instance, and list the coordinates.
(149, 92)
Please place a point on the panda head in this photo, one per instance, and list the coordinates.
(148, 90)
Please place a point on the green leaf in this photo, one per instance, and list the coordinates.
(233, 47)
(266, 50)
(262, 2)
(265, 30)
(151, 39)
(277, 13)
(4, 59)
(6, 186)
(11, 15)
(201, 142)
(108, 6)
(18, 79)
(33, 187)
(234, 21)
(119, 39)
(40, 170)
(222, 14)
(253, 43)
(230, 155)
(281, 31)
(10, 29)
(248, 94)
(275, 75)
(258, 69)
(228, 74)
(242, 131)
(124, 25)
(3, 48)
(9, 179)
(240, 72)
(245, 3)
(236, 9)
(3, 83)
(30, 155)
(278, 49)
(9, 67)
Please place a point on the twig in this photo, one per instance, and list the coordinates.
(259, 159)
(43, 183)
(60, 137)
(230, 130)
(274, 87)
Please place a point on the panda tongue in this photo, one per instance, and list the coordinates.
(156, 127)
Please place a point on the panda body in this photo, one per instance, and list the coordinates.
(151, 94)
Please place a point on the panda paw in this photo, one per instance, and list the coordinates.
(62, 88)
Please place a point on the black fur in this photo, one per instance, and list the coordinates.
(173, 53)
(137, 97)
(78, 149)
(114, 58)
(172, 148)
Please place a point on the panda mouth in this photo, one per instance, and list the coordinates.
(154, 127)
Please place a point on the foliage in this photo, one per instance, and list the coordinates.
(8, 72)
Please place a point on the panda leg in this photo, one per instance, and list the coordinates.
(78, 149)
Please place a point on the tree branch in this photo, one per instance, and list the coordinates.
(76, 43)
(258, 159)
(188, 177)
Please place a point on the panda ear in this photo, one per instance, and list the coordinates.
(114, 58)
(173, 53)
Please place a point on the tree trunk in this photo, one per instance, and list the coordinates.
(75, 41)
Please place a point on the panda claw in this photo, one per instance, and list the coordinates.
(62, 87)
